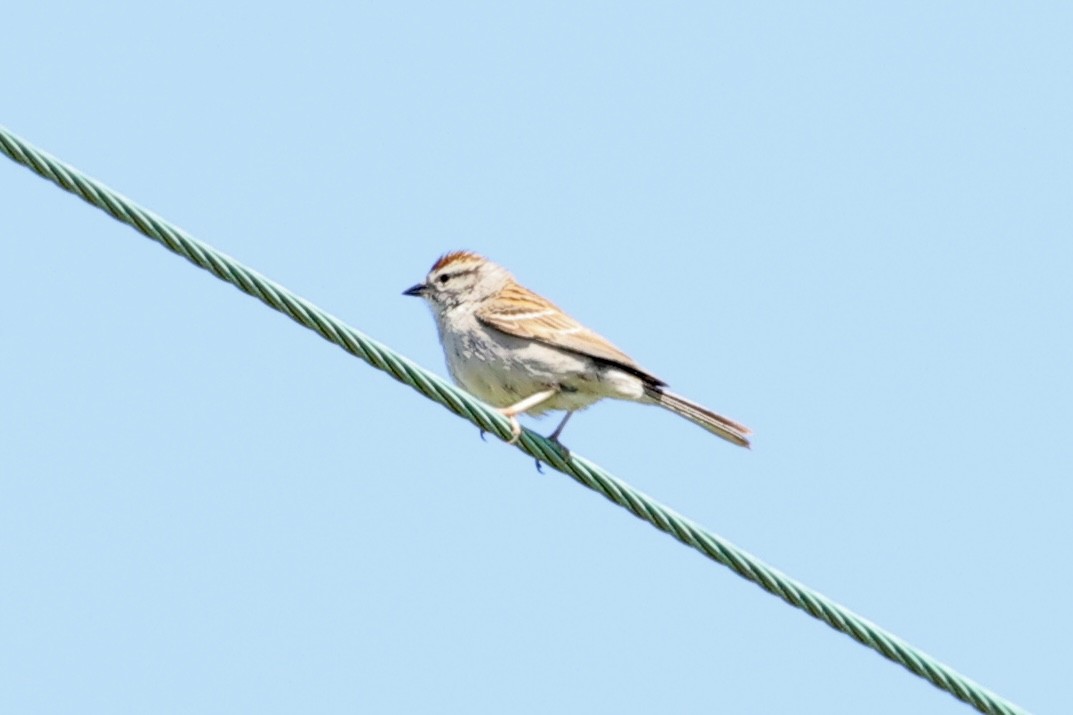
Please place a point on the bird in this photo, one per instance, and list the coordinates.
(520, 353)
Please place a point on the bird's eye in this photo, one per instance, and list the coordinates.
(444, 278)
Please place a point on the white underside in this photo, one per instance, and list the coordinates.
(502, 370)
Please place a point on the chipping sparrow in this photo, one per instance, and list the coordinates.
(520, 353)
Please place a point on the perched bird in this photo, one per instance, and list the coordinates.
(519, 352)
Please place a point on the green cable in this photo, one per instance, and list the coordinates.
(459, 402)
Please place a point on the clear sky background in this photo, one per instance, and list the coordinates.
(848, 227)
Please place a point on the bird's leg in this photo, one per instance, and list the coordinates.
(525, 405)
(554, 436)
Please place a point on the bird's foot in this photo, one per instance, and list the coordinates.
(515, 427)
(563, 450)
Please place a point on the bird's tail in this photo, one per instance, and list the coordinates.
(715, 423)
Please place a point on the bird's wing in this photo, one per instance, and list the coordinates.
(522, 313)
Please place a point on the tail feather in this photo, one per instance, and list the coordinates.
(715, 423)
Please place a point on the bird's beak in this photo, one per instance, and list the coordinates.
(417, 290)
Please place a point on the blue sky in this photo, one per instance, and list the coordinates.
(846, 226)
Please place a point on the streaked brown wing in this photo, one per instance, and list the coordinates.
(522, 313)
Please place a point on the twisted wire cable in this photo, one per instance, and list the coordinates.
(581, 470)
